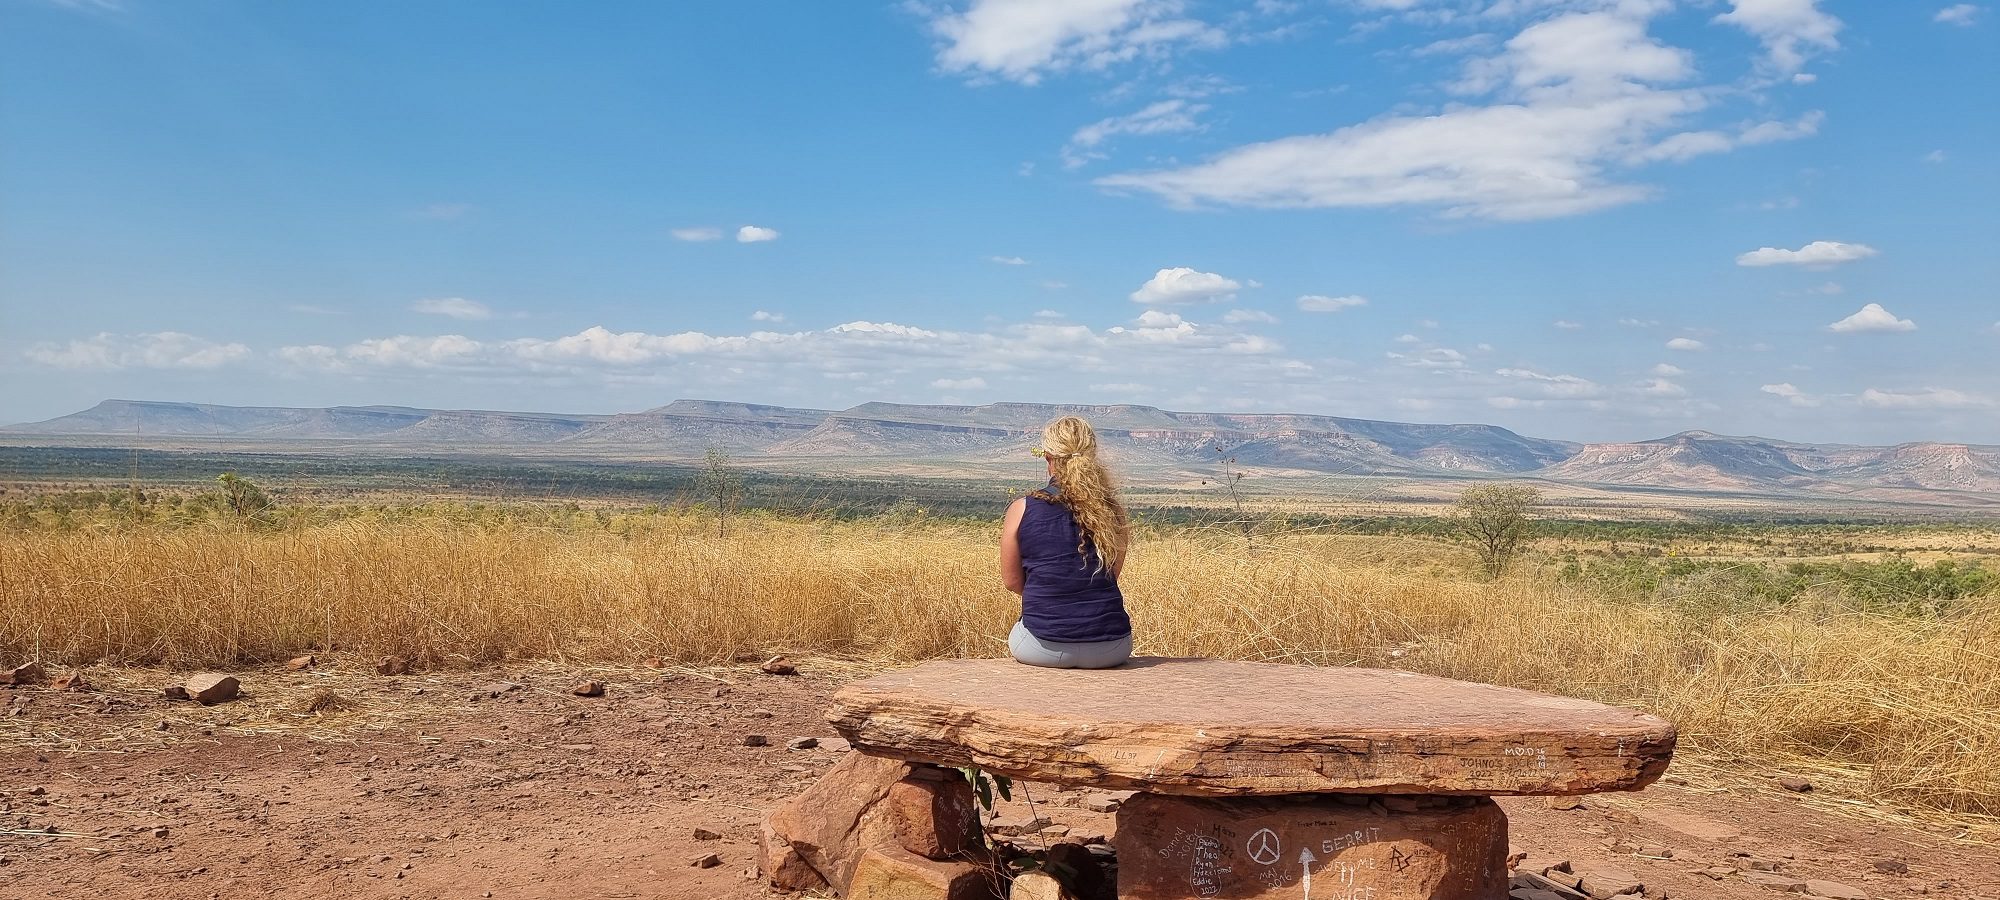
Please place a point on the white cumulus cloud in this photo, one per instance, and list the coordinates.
(1791, 30)
(1817, 253)
(1181, 285)
(1872, 318)
(755, 234)
(1668, 370)
(766, 316)
(1579, 98)
(1022, 40)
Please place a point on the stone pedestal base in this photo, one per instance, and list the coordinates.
(1312, 847)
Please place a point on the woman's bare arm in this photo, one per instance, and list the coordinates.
(1120, 566)
(1011, 573)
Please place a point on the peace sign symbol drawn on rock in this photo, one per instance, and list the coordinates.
(1263, 847)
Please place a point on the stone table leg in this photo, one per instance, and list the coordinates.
(1312, 847)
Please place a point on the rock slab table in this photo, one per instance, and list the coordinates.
(1204, 727)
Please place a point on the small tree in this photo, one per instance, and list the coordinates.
(1495, 518)
(720, 483)
(242, 495)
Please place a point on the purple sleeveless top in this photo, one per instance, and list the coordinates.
(1065, 598)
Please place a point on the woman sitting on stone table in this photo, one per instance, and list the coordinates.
(1061, 549)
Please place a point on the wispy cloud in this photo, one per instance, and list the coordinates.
(1925, 398)
(453, 307)
(1576, 100)
(696, 233)
(1025, 40)
(1792, 31)
(1320, 303)
(1964, 15)
(1163, 117)
(1007, 260)
(107, 351)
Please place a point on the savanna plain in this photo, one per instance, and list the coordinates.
(1863, 659)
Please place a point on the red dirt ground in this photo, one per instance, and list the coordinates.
(420, 791)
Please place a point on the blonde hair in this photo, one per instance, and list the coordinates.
(1087, 491)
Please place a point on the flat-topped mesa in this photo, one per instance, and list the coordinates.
(1222, 728)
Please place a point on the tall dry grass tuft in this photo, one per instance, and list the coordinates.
(1911, 703)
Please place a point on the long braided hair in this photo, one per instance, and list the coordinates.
(1086, 491)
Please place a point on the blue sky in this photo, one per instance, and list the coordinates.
(1589, 219)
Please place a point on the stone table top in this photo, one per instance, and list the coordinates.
(1219, 727)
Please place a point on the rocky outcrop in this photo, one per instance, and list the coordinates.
(1225, 728)
(880, 828)
(1437, 848)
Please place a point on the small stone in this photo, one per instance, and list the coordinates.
(1106, 803)
(23, 674)
(1892, 867)
(174, 692)
(654, 662)
(756, 740)
(1761, 865)
(703, 834)
(1017, 826)
(1545, 885)
(301, 663)
(709, 861)
(160, 832)
(1656, 852)
(1794, 783)
(211, 687)
(1716, 872)
(1603, 884)
(71, 682)
(835, 745)
(760, 714)
(804, 743)
(1562, 802)
(1036, 886)
(778, 665)
(392, 665)
(161, 725)
(1775, 881)
(589, 689)
(1834, 890)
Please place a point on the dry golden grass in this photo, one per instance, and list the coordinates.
(1902, 709)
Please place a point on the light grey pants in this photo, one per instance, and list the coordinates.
(1095, 655)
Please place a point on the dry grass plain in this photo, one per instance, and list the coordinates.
(1899, 711)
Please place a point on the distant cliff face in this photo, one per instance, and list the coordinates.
(1137, 436)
